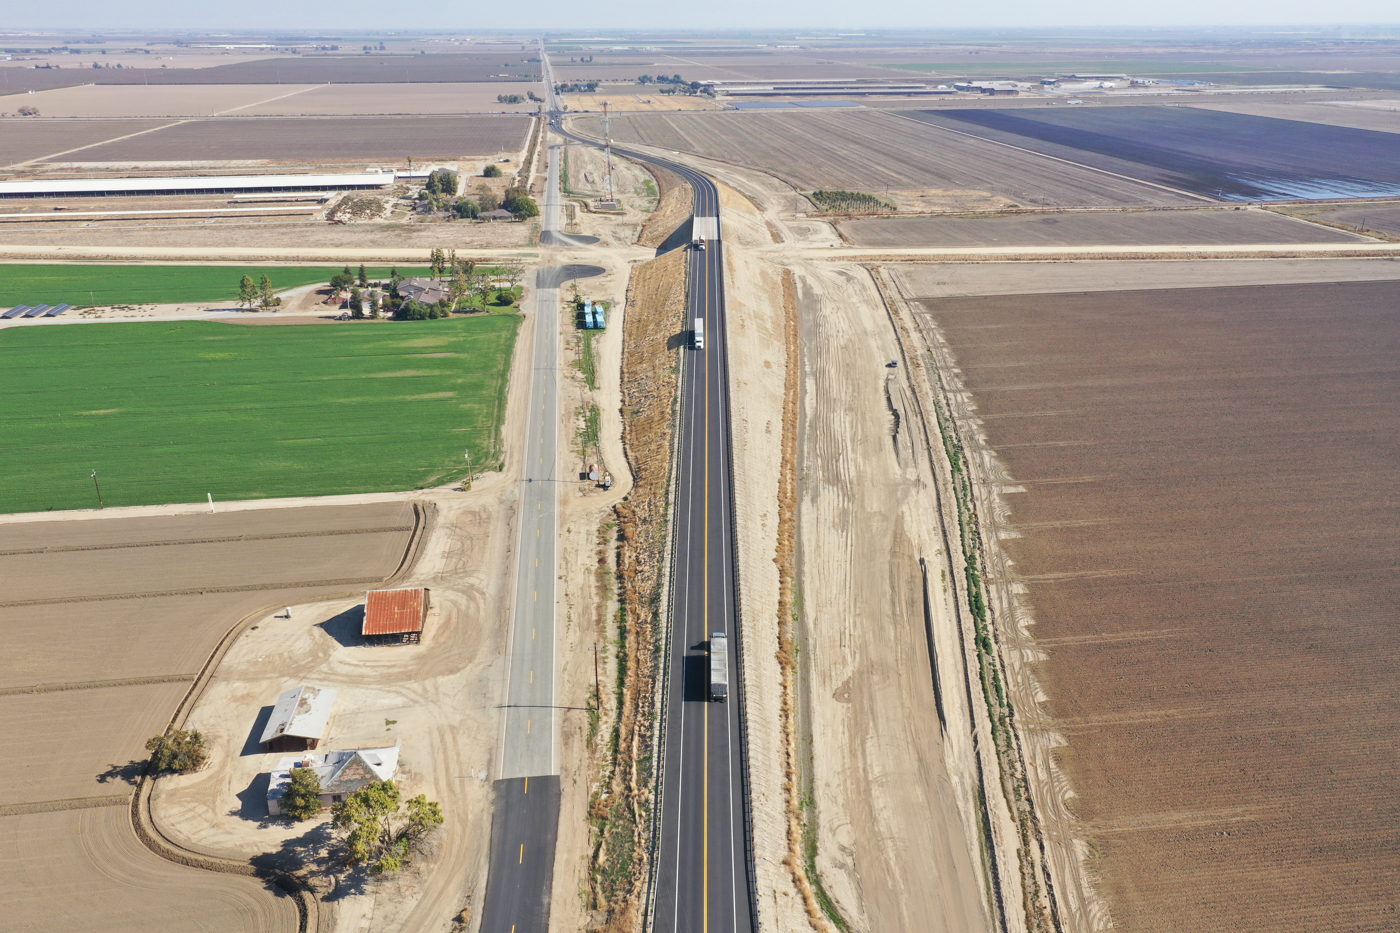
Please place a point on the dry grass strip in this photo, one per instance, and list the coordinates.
(787, 570)
(621, 810)
(672, 207)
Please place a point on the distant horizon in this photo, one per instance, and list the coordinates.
(626, 17)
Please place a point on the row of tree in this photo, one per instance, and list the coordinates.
(257, 295)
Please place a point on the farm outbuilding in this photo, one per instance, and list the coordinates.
(395, 617)
(299, 719)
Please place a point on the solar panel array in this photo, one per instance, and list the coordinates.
(25, 311)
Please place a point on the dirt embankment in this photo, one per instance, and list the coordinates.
(620, 809)
(672, 208)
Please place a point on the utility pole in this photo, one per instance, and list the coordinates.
(607, 156)
(467, 454)
(99, 490)
(597, 682)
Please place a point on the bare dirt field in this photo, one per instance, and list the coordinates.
(80, 869)
(23, 139)
(874, 150)
(269, 232)
(1361, 115)
(1194, 502)
(312, 138)
(637, 99)
(190, 100)
(1384, 218)
(374, 99)
(958, 280)
(140, 603)
(1136, 228)
(378, 68)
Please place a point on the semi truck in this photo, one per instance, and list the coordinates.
(699, 333)
(719, 666)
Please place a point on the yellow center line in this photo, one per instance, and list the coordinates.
(705, 861)
(522, 859)
(527, 726)
(527, 785)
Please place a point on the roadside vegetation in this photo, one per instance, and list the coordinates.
(172, 412)
(621, 811)
(1038, 912)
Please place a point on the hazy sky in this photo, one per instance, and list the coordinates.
(654, 14)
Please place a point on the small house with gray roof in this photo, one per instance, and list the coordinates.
(342, 773)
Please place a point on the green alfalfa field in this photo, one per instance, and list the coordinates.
(172, 412)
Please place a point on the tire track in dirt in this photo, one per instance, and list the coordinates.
(99, 684)
(193, 591)
(62, 549)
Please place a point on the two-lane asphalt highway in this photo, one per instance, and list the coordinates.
(702, 881)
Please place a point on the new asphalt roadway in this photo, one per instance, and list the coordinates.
(702, 881)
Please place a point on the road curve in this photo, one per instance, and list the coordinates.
(703, 881)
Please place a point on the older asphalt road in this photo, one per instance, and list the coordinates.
(703, 881)
(525, 822)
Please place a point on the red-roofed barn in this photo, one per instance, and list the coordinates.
(395, 617)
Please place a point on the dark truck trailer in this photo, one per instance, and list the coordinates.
(719, 666)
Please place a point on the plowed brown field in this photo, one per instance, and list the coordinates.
(1206, 524)
(873, 150)
(23, 139)
(310, 138)
(1135, 228)
(105, 625)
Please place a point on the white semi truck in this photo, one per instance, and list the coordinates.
(719, 666)
(699, 333)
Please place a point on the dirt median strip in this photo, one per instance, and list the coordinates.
(233, 538)
(193, 591)
(71, 803)
(99, 684)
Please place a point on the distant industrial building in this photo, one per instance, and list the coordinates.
(342, 773)
(193, 184)
(395, 617)
(299, 719)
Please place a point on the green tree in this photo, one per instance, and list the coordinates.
(178, 751)
(487, 198)
(491, 171)
(341, 282)
(364, 279)
(437, 261)
(301, 800)
(266, 298)
(247, 292)
(381, 832)
(522, 207)
(466, 209)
